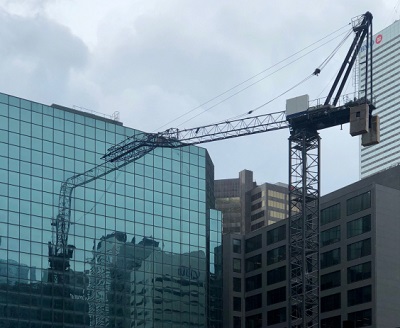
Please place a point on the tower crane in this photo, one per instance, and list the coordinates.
(304, 122)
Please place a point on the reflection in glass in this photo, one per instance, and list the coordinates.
(146, 240)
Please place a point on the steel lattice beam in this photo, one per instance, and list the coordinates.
(304, 187)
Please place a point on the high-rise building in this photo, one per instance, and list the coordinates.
(359, 263)
(146, 238)
(247, 206)
(386, 84)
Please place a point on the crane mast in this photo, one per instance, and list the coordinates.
(304, 176)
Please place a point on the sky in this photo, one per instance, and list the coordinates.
(184, 63)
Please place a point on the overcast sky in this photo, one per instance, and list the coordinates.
(157, 60)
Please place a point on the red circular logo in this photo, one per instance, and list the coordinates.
(378, 39)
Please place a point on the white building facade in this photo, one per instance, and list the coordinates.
(386, 85)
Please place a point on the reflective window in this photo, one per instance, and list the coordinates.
(275, 235)
(253, 302)
(237, 265)
(253, 263)
(237, 284)
(359, 203)
(330, 302)
(359, 226)
(276, 275)
(330, 280)
(253, 282)
(237, 322)
(276, 255)
(361, 318)
(276, 316)
(253, 243)
(330, 214)
(237, 304)
(331, 322)
(359, 272)
(254, 321)
(359, 295)
(276, 295)
(141, 239)
(330, 236)
(359, 249)
(330, 258)
(237, 246)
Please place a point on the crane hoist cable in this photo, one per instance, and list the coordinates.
(253, 77)
(259, 80)
(276, 97)
(316, 72)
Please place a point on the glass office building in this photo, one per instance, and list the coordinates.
(145, 240)
(386, 69)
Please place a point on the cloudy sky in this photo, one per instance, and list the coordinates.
(164, 64)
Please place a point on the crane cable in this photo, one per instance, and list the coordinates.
(251, 78)
(316, 72)
(333, 53)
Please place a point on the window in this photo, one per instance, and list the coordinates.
(331, 322)
(330, 236)
(253, 302)
(276, 194)
(359, 226)
(359, 272)
(275, 235)
(359, 203)
(359, 249)
(237, 265)
(237, 322)
(256, 196)
(237, 304)
(330, 258)
(330, 280)
(256, 206)
(257, 226)
(254, 321)
(253, 263)
(237, 246)
(276, 295)
(257, 215)
(253, 243)
(359, 295)
(276, 275)
(330, 302)
(330, 214)
(253, 282)
(237, 284)
(361, 318)
(276, 255)
(276, 316)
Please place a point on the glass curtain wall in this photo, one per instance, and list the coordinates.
(145, 252)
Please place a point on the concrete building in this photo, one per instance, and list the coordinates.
(386, 84)
(247, 206)
(165, 196)
(359, 262)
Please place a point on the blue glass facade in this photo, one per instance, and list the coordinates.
(147, 242)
